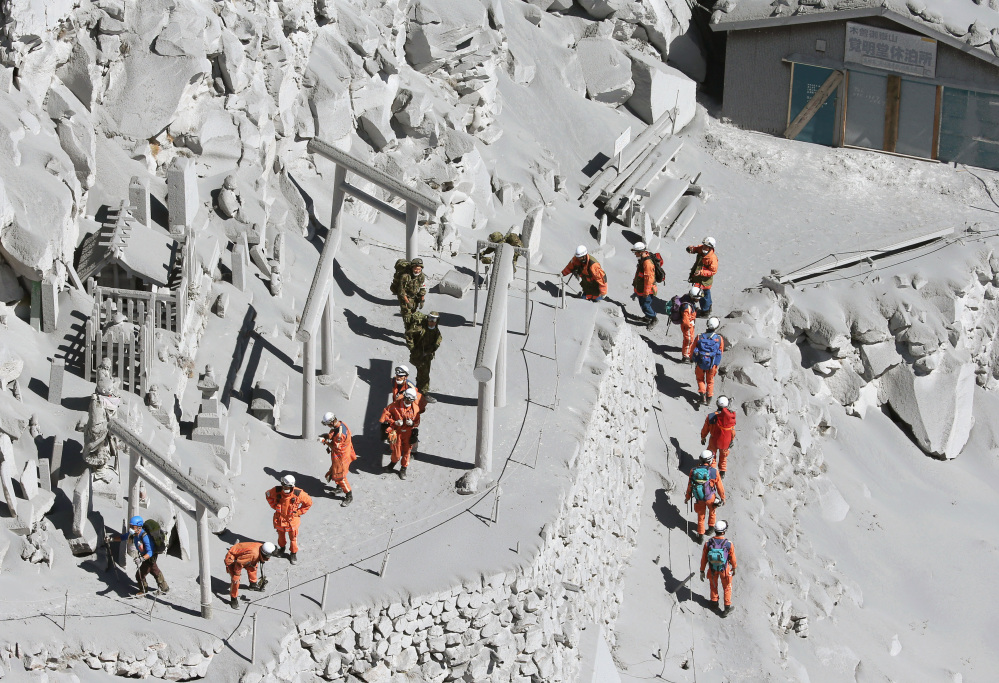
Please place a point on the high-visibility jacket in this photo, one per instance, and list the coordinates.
(645, 277)
(288, 507)
(721, 426)
(705, 266)
(398, 411)
(242, 555)
(592, 277)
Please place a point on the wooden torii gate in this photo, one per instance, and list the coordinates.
(320, 299)
(205, 499)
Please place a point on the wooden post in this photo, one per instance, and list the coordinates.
(326, 336)
(326, 585)
(893, 97)
(253, 641)
(290, 613)
(385, 558)
(308, 387)
(65, 610)
(204, 561)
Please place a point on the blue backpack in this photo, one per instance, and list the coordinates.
(707, 350)
(701, 479)
(718, 554)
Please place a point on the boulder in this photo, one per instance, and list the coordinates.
(10, 287)
(13, 415)
(658, 89)
(878, 358)
(330, 70)
(844, 385)
(606, 70)
(937, 406)
(455, 284)
(601, 9)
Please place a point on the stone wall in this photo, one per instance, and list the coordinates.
(522, 625)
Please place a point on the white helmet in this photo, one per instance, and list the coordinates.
(267, 549)
(720, 526)
(401, 370)
(694, 291)
(409, 395)
(329, 418)
(722, 402)
(287, 480)
(706, 456)
(709, 242)
(639, 246)
(713, 323)
(581, 251)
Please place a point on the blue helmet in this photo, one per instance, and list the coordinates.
(135, 521)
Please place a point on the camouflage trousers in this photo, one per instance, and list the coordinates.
(422, 366)
(412, 320)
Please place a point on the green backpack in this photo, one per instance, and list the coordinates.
(156, 535)
(401, 268)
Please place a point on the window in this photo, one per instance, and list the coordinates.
(805, 82)
(969, 128)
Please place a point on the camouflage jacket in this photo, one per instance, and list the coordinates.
(411, 287)
(426, 341)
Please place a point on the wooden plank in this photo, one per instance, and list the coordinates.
(846, 106)
(682, 221)
(815, 268)
(937, 122)
(665, 196)
(813, 105)
(892, 98)
(790, 94)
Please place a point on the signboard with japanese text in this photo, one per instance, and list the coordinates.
(890, 50)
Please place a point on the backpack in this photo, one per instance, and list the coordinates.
(657, 263)
(401, 267)
(718, 554)
(707, 350)
(156, 535)
(701, 477)
(674, 309)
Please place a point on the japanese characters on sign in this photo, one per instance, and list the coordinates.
(890, 50)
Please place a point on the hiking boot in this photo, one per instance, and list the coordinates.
(389, 467)
(257, 585)
(348, 500)
(699, 538)
(279, 552)
(722, 474)
(705, 399)
(709, 531)
(402, 472)
(652, 323)
(161, 582)
(724, 611)
(430, 399)
(234, 603)
(293, 558)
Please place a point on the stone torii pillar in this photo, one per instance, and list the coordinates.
(205, 499)
(319, 303)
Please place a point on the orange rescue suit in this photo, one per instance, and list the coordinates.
(240, 556)
(288, 510)
(399, 434)
(721, 426)
(725, 575)
(339, 442)
(705, 266)
(645, 277)
(592, 277)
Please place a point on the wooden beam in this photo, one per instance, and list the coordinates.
(374, 202)
(846, 106)
(893, 96)
(815, 268)
(813, 105)
(937, 121)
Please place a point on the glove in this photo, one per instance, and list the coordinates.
(702, 576)
(398, 423)
(720, 503)
(329, 477)
(703, 441)
(732, 571)
(409, 423)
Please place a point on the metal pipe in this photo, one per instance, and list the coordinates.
(326, 336)
(322, 281)
(412, 231)
(253, 641)
(492, 322)
(161, 486)
(326, 585)
(308, 387)
(484, 427)
(204, 564)
(475, 285)
(383, 180)
(212, 499)
(374, 202)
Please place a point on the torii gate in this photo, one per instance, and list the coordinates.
(205, 499)
(320, 300)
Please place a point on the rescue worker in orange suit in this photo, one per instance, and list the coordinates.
(718, 557)
(403, 418)
(689, 304)
(708, 349)
(246, 555)
(645, 283)
(705, 487)
(704, 270)
(340, 445)
(592, 278)
(720, 426)
(289, 504)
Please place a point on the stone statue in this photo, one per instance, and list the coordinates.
(99, 446)
(229, 201)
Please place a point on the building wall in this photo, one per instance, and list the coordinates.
(757, 82)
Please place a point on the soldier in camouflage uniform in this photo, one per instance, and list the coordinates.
(511, 238)
(426, 341)
(412, 291)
